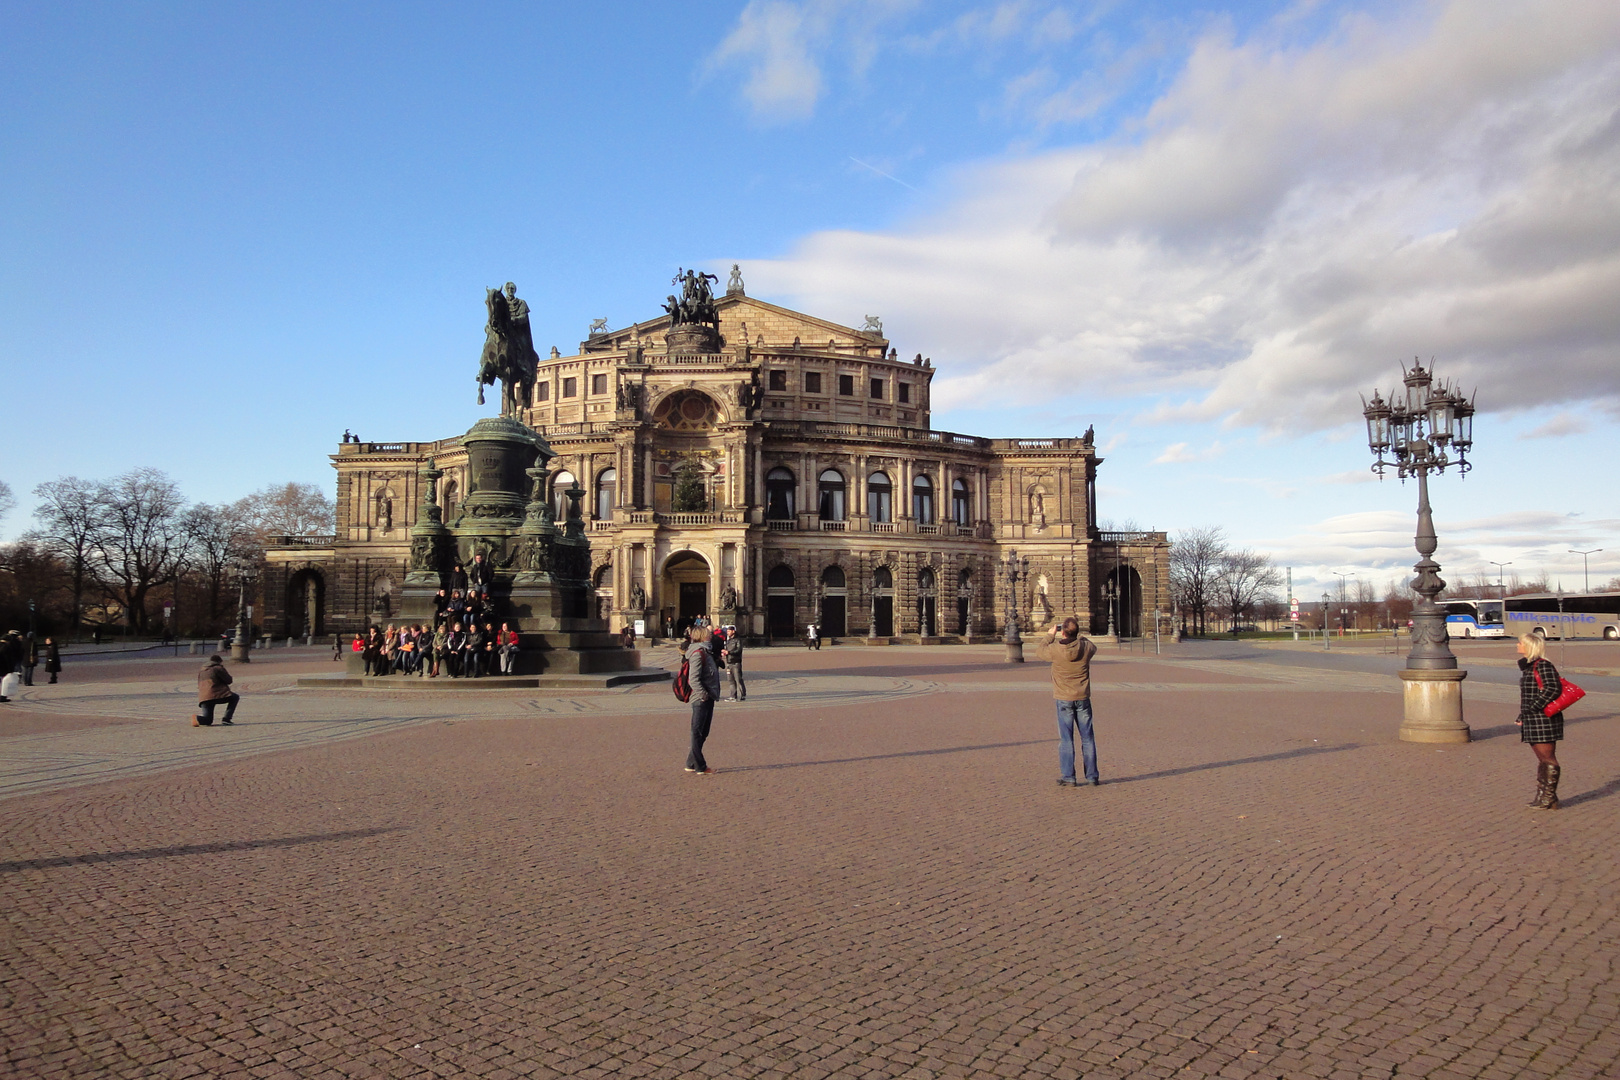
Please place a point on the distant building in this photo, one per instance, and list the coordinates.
(788, 473)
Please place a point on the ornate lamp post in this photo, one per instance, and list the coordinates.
(1428, 429)
(1013, 567)
(1586, 569)
(242, 647)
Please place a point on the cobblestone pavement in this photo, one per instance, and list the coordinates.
(881, 880)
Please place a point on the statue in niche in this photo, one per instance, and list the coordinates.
(1041, 610)
(638, 597)
(1037, 508)
(728, 598)
(509, 355)
(385, 511)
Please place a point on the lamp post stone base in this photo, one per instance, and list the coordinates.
(1434, 706)
(1015, 651)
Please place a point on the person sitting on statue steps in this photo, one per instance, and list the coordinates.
(441, 648)
(508, 642)
(458, 580)
(479, 575)
(455, 645)
(441, 600)
(473, 665)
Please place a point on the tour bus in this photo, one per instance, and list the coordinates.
(1474, 618)
(1570, 615)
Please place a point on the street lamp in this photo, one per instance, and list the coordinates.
(246, 572)
(1586, 576)
(1013, 567)
(1343, 595)
(1325, 600)
(1429, 428)
(1501, 587)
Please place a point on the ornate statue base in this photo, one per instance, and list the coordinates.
(1434, 706)
(692, 338)
(541, 581)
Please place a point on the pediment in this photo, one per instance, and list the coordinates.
(778, 326)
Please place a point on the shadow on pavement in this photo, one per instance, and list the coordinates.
(1484, 734)
(885, 757)
(193, 849)
(1304, 751)
(1592, 796)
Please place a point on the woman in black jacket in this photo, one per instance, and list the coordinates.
(1539, 686)
(53, 658)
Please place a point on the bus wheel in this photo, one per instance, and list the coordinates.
(1611, 632)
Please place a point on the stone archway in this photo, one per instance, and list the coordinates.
(686, 590)
(306, 603)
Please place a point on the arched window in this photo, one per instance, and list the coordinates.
(559, 498)
(961, 503)
(833, 577)
(922, 500)
(780, 577)
(605, 482)
(831, 503)
(779, 485)
(882, 579)
(451, 496)
(879, 497)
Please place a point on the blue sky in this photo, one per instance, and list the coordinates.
(227, 233)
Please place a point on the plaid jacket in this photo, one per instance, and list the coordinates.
(1534, 696)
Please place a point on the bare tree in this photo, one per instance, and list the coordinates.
(289, 509)
(1242, 578)
(141, 541)
(1195, 563)
(70, 516)
(218, 535)
(8, 501)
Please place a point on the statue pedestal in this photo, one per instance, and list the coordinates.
(1015, 652)
(1434, 706)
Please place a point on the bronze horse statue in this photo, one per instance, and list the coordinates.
(504, 357)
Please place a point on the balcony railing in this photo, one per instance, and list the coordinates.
(319, 540)
(926, 529)
(781, 525)
(1130, 537)
(883, 526)
(834, 526)
(685, 519)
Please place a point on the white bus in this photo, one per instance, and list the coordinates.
(1565, 615)
(1474, 618)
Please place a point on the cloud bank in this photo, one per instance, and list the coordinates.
(1278, 229)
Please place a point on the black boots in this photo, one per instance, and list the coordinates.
(1546, 787)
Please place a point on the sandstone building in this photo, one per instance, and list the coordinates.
(788, 472)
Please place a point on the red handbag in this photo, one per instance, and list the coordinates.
(1569, 696)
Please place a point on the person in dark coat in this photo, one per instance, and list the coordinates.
(479, 575)
(458, 579)
(30, 659)
(1539, 686)
(53, 659)
(213, 687)
(734, 668)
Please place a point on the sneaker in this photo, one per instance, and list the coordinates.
(228, 723)
(1068, 782)
(195, 722)
(1095, 783)
(690, 769)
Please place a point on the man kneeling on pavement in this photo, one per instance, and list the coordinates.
(1070, 656)
(214, 687)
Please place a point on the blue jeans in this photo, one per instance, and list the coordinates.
(1070, 715)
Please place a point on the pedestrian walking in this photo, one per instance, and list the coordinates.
(705, 689)
(214, 687)
(812, 637)
(30, 659)
(1070, 656)
(53, 659)
(734, 668)
(1539, 686)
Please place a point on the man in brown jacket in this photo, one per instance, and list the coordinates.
(213, 687)
(1070, 656)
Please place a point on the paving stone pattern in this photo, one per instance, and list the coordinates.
(886, 882)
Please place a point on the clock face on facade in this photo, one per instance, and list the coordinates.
(686, 410)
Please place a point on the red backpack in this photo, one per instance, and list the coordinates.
(683, 681)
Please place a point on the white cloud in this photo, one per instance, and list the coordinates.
(773, 39)
(1177, 453)
(1281, 227)
(1558, 427)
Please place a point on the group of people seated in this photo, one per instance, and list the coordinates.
(450, 647)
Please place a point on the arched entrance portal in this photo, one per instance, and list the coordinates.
(306, 603)
(686, 588)
(1122, 598)
(833, 592)
(779, 602)
(882, 602)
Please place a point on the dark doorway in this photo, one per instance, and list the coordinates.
(833, 592)
(925, 603)
(882, 602)
(779, 620)
(694, 602)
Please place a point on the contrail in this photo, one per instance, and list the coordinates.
(883, 174)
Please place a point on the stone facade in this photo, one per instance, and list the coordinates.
(790, 475)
